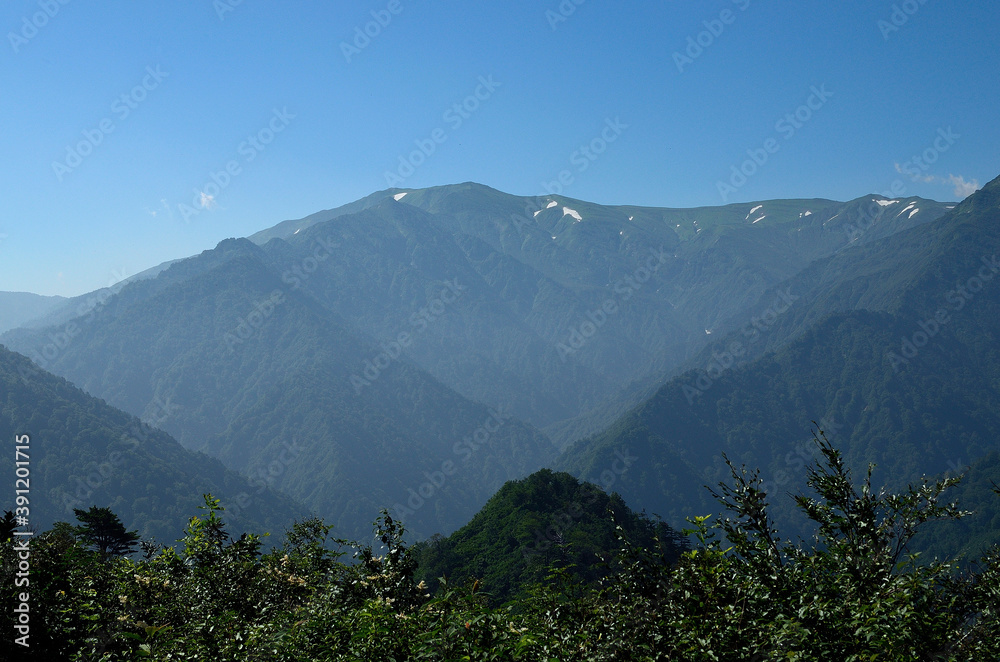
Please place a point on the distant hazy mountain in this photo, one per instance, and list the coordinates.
(891, 345)
(60, 310)
(368, 335)
(16, 308)
(223, 353)
(574, 305)
(82, 452)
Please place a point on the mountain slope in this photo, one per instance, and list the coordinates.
(885, 344)
(16, 308)
(257, 373)
(575, 303)
(83, 452)
(531, 523)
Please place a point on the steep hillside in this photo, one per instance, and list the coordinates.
(891, 346)
(237, 363)
(16, 308)
(83, 452)
(543, 519)
(574, 303)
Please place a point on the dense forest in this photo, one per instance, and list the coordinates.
(841, 353)
(739, 593)
(84, 452)
(233, 363)
(530, 524)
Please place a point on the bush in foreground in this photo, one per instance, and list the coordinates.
(741, 594)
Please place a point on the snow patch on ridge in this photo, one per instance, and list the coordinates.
(913, 212)
(399, 196)
(885, 203)
(572, 212)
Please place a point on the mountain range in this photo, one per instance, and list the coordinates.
(891, 347)
(417, 349)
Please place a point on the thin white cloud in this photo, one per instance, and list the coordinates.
(166, 207)
(207, 201)
(963, 189)
(926, 179)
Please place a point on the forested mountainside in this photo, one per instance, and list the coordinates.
(895, 358)
(530, 524)
(266, 379)
(84, 452)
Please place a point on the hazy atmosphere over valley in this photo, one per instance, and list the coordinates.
(665, 331)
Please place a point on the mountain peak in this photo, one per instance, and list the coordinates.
(235, 244)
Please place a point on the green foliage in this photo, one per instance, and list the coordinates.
(102, 529)
(544, 519)
(855, 594)
(7, 525)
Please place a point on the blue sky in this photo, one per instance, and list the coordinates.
(116, 116)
